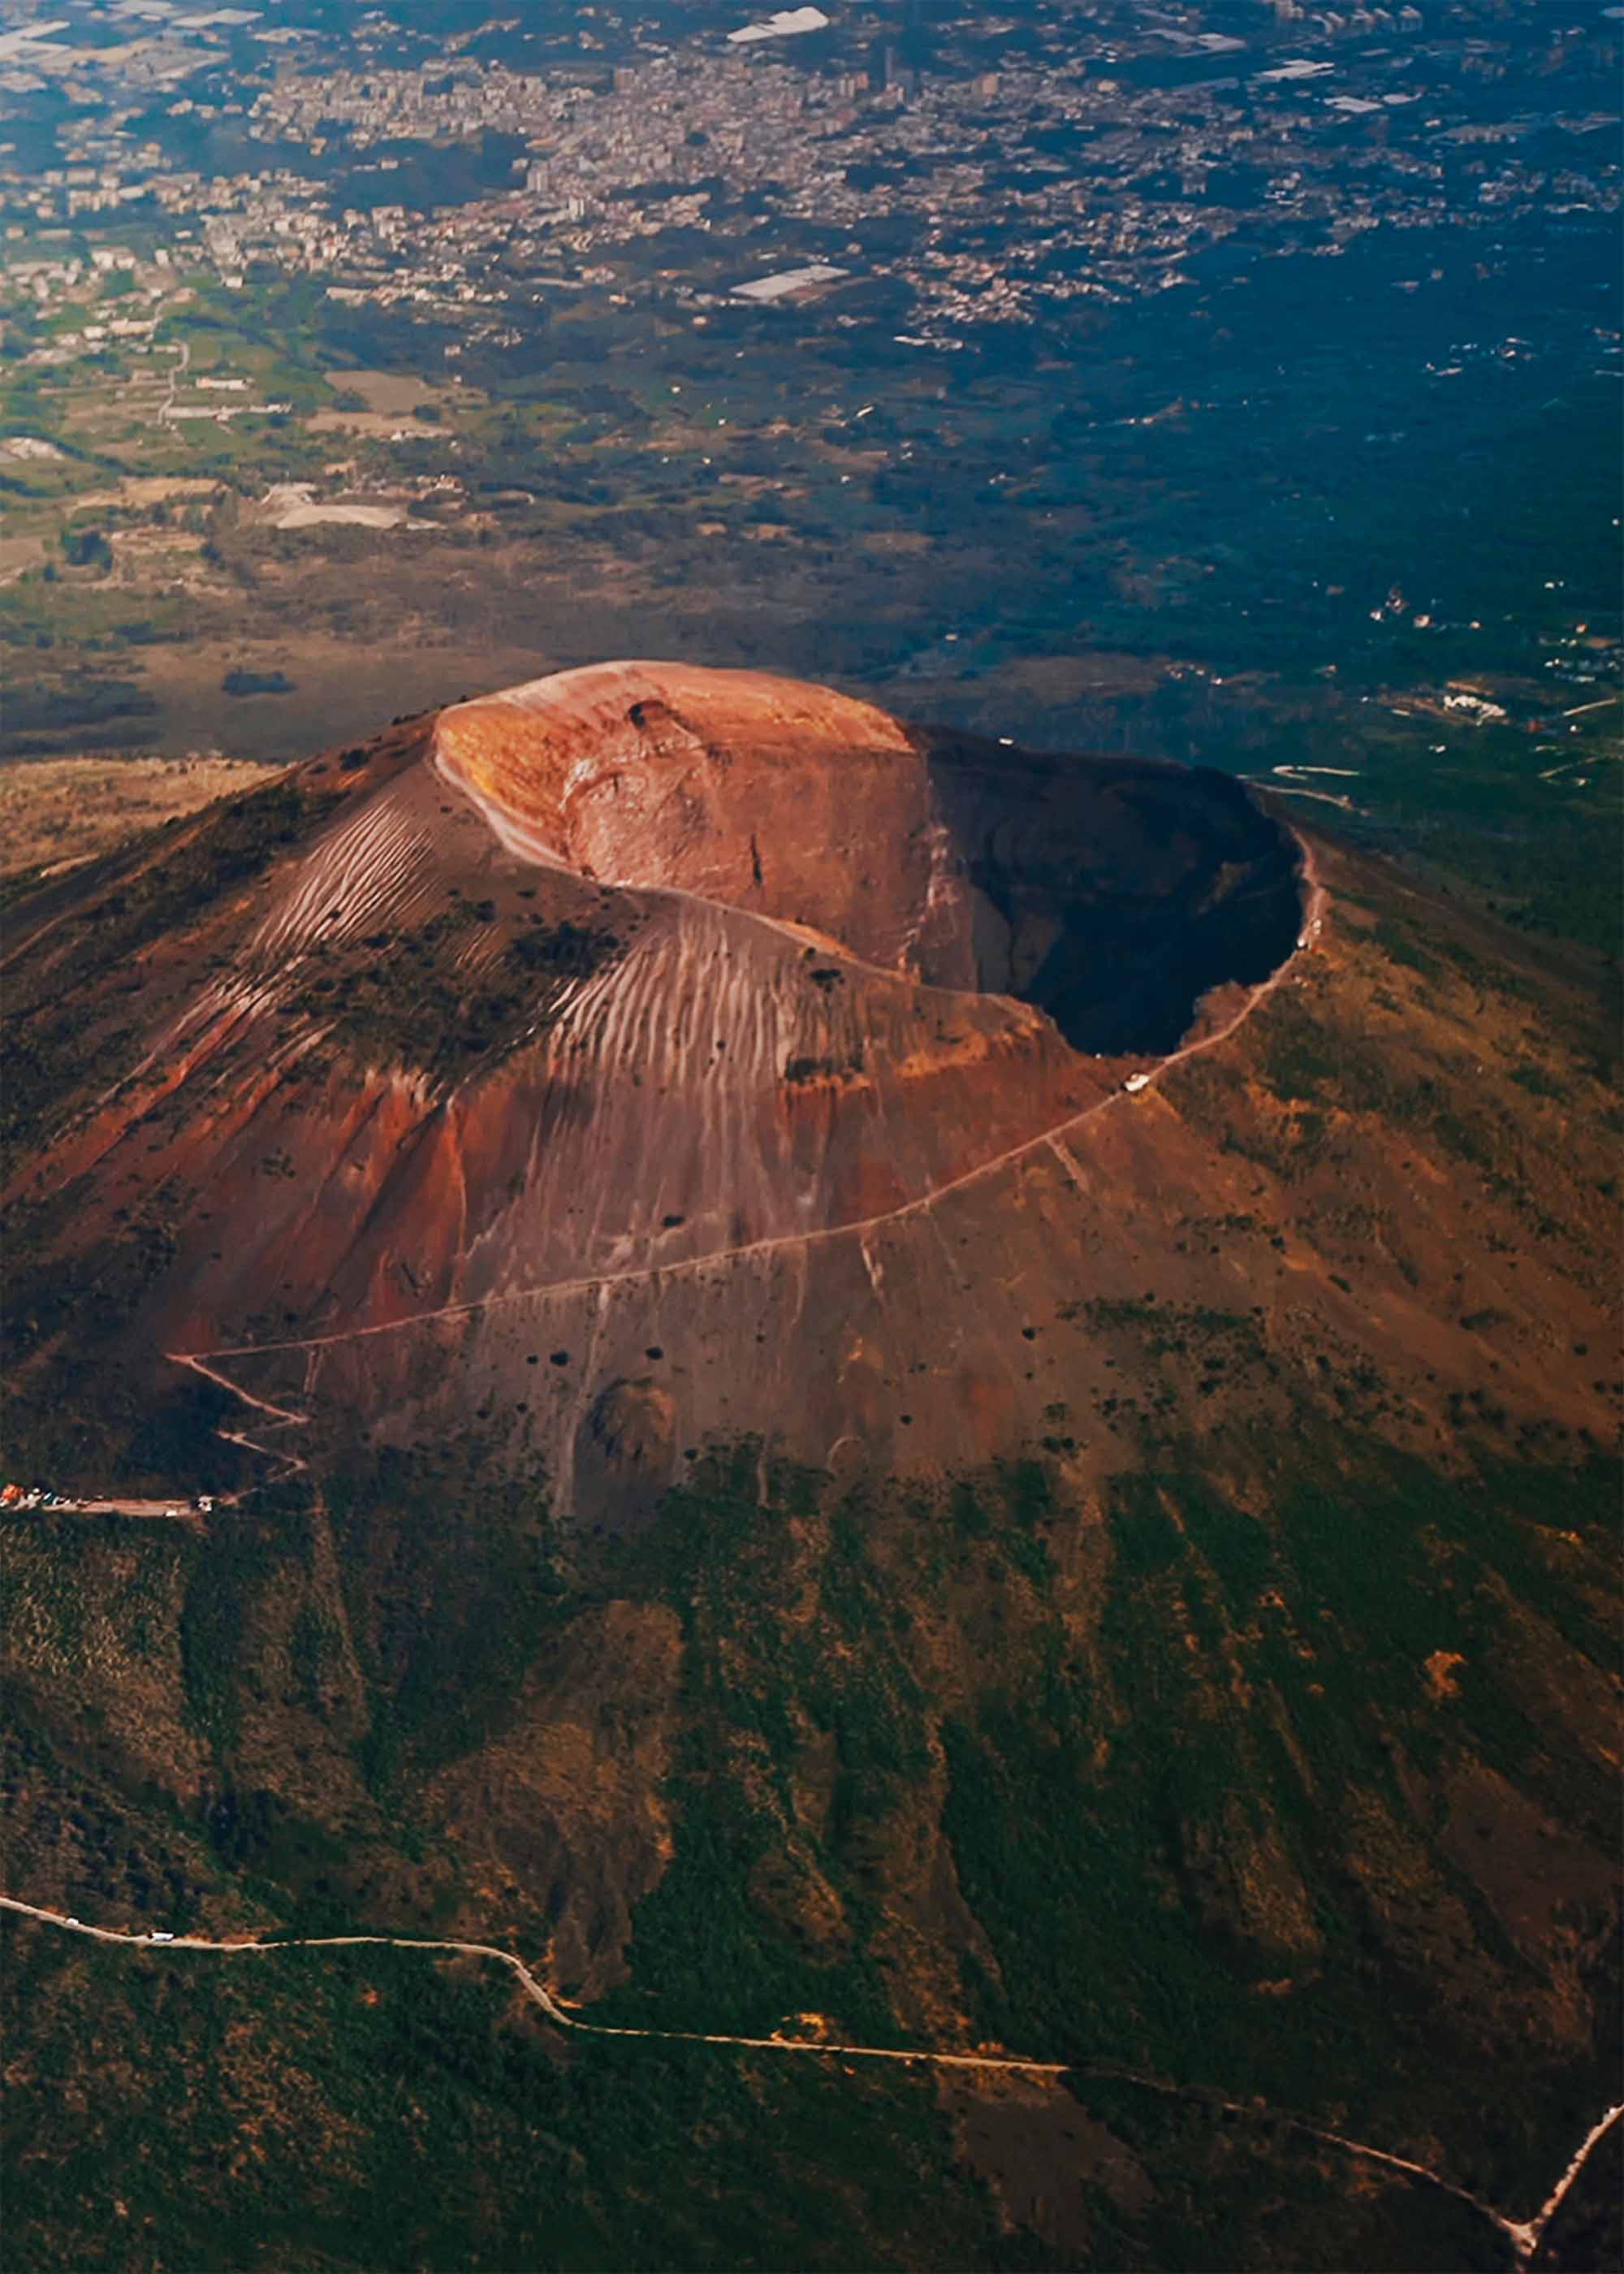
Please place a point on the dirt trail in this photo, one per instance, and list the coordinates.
(1524, 2235)
(1315, 905)
(281, 1418)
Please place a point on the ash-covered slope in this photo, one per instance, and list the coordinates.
(652, 1010)
(598, 982)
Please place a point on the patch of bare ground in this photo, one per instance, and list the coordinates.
(56, 811)
(398, 394)
(1541, 1882)
(898, 541)
(341, 686)
(144, 491)
(18, 556)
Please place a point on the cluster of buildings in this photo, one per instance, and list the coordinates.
(14, 1497)
(1093, 158)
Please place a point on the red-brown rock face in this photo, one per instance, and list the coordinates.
(1112, 894)
(789, 800)
(644, 1007)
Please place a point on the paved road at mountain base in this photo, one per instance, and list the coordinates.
(1523, 2234)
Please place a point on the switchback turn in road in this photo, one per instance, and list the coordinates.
(1523, 2234)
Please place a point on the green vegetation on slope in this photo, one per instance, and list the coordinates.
(376, 2108)
(1217, 1846)
(1264, 1819)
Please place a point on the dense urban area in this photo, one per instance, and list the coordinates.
(1074, 163)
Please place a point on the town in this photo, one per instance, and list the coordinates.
(1088, 167)
(580, 328)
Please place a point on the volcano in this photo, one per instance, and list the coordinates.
(852, 1066)
(567, 1006)
(854, 1382)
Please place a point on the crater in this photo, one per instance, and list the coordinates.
(1112, 893)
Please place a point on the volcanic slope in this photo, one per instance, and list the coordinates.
(504, 1030)
(647, 1008)
(771, 1482)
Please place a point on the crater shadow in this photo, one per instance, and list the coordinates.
(1112, 892)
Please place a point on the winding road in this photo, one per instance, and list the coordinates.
(177, 371)
(1524, 2235)
(1315, 903)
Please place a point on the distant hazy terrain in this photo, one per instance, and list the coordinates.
(54, 811)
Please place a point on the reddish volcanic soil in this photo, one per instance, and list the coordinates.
(790, 801)
(651, 1053)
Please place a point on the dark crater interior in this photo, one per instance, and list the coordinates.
(1114, 892)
